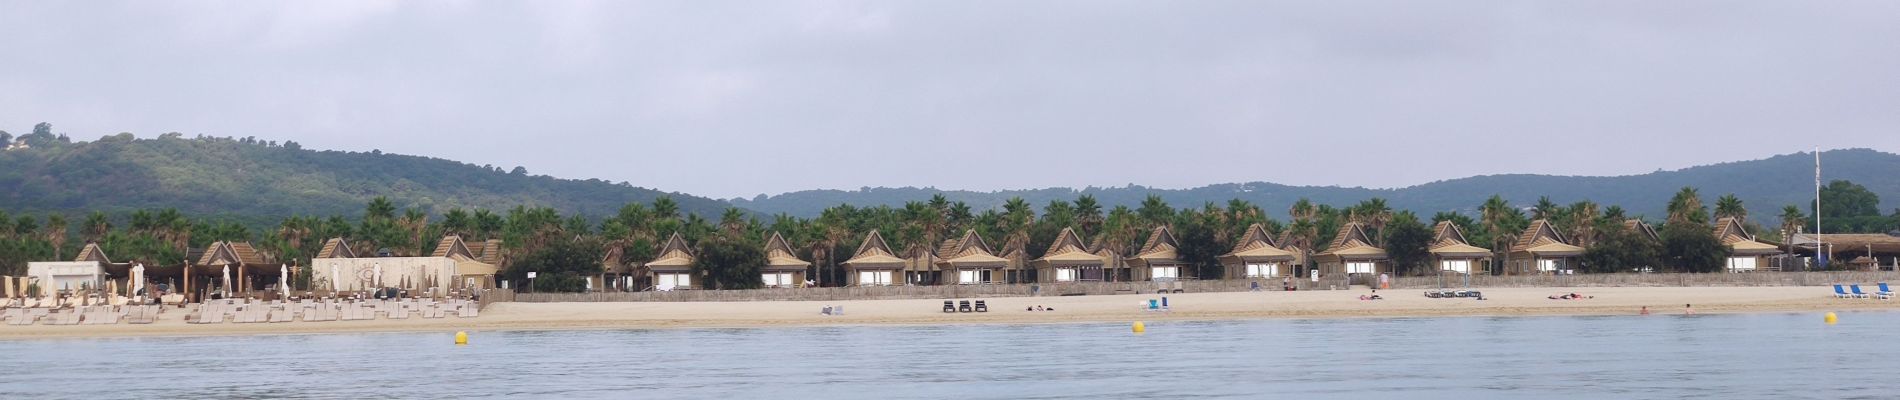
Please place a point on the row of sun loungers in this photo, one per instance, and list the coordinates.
(242, 311)
(1885, 293)
(964, 306)
(1448, 294)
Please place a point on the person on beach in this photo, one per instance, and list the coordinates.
(1688, 309)
(1645, 311)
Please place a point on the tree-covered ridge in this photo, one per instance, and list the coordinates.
(1784, 179)
(258, 182)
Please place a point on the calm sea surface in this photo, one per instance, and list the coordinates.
(1706, 356)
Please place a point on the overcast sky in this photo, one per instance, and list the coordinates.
(730, 99)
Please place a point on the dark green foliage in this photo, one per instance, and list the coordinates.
(1195, 232)
(1408, 241)
(1691, 247)
(727, 262)
(1843, 199)
(1621, 250)
(561, 266)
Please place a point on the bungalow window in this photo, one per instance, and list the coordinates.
(1065, 274)
(1359, 267)
(873, 278)
(1263, 270)
(1546, 265)
(1165, 272)
(670, 281)
(777, 279)
(1459, 266)
(1741, 264)
(969, 276)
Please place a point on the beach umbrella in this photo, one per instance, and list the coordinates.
(138, 278)
(227, 281)
(283, 280)
(378, 279)
(335, 280)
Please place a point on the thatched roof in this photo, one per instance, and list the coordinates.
(1448, 241)
(780, 256)
(1642, 228)
(231, 253)
(335, 248)
(674, 255)
(1256, 246)
(968, 251)
(1160, 249)
(1068, 250)
(92, 253)
(1541, 239)
(489, 252)
(1850, 242)
(452, 245)
(1352, 243)
(1739, 241)
(874, 253)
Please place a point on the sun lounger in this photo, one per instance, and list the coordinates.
(980, 307)
(1857, 292)
(142, 315)
(1433, 295)
(64, 317)
(1884, 289)
(963, 306)
(470, 311)
(1153, 305)
(399, 312)
(949, 306)
(286, 314)
(1841, 292)
(17, 316)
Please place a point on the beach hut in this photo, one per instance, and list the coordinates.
(1114, 262)
(1351, 253)
(1068, 260)
(1018, 269)
(248, 267)
(672, 268)
(1542, 249)
(1159, 259)
(1256, 256)
(1301, 253)
(920, 265)
(873, 264)
(783, 268)
(1451, 252)
(967, 260)
(335, 248)
(1745, 253)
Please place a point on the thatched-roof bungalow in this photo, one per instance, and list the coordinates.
(1542, 249)
(1878, 248)
(1745, 253)
(783, 268)
(452, 264)
(1114, 263)
(1351, 253)
(1452, 253)
(1257, 255)
(336, 248)
(1301, 254)
(1018, 269)
(250, 269)
(920, 265)
(968, 260)
(873, 264)
(672, 268)
(1068, 260)
(1159, 258)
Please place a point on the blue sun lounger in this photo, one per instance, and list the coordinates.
(1885, 290)
(1857, 292)
(1841, 292)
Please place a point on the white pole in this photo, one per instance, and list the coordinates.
(1817, 205)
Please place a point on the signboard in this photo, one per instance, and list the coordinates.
(530, 275)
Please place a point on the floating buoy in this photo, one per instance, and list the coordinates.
(1139, 328)
(461, 337)
(1831, 318)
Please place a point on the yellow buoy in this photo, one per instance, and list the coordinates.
(1831, 318)
(461, 337)
(1139, 327)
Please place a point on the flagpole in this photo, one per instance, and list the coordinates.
(1817, 205)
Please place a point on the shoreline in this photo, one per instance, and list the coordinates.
(1306, 305)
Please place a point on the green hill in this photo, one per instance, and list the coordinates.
(1763, 185)
(259, 183)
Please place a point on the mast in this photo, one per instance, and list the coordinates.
(1817, 205)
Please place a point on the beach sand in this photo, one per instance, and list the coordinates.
(1010, 310)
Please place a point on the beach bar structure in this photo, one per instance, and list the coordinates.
(451, 265)
(873, 264)
(1159, 259)
(1257, 256)
(672, 268)
(1451, 253)
(1351, 253)
(1745, 253)
(90, 270)
(783, 268)
(968, 261)
(1068, 260)
(1879, 250)
(246, 268)
(1542, 249)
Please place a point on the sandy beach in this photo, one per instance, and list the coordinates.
(1010, 310)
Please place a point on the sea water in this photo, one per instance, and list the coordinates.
(1607, 357)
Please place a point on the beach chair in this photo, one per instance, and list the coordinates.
(285, 314)
(1153, 305)
(1164, 304)
(826, 311)
(980, 307)
(949, 307)
(837, 310)
(1884, 289)
(64, 317)
(15, 316)
(470, 311)
(1857, 292)
(400, 312)
(963, 306)
(1841, 292)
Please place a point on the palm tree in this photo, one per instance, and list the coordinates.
(1729, 206)
(1493, 212)
(1545, 209)
(665, 208)
(379, 208)
(1088, 215)
(1375, 214)
(56, 233)
(732, 221)
(457, 222)
(1583, 222)
(1686, 206)
(1792, 220)
(96, 227)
